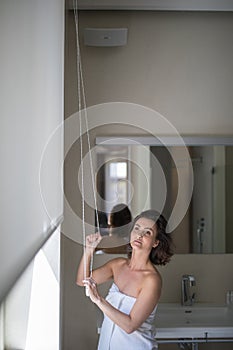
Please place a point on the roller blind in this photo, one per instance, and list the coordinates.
(31, 110)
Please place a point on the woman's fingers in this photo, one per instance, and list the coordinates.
(90, 285)
(89, 281)
(93, 240)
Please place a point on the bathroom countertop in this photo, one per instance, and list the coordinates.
(194, 332)
(202, 320)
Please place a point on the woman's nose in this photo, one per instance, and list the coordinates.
(140, 233)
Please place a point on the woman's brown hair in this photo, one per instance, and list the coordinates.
(161, 254)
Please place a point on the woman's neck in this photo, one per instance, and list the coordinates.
(139, 261)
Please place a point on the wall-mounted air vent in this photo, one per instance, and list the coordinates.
(105, 36)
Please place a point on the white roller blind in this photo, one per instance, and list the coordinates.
(31, 108)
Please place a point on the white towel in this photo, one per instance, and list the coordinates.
(113, 337)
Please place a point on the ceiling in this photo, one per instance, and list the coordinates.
(158, 5)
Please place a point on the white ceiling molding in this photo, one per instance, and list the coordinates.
(156, 5)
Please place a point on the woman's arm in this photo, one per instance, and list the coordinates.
(144, 305)
(91, 242)
(101, 274)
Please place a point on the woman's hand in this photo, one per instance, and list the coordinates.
(92, 290)
(92, 241)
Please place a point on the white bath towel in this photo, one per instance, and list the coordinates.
(113, 337)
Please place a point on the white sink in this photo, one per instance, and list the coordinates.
(200, 320)
(198, 314)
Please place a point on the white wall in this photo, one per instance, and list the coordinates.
(180, 64)
(31, 107)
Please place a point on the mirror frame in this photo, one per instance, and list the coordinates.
(165, 140)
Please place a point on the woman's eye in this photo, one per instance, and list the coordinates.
(148, 233)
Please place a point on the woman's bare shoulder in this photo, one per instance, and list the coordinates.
(119, 261)
(153, 279)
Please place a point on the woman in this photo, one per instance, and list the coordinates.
(130, 306)
(119, 222)
(119, 216)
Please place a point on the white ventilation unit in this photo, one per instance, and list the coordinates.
(105, 36)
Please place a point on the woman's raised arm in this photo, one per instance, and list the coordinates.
(101, 274)
(91, 243)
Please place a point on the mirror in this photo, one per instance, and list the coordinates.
(142, 173)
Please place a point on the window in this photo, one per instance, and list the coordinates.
(116, 183)
(118, 170)
(29, 316)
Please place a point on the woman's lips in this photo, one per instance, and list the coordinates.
(137, 241)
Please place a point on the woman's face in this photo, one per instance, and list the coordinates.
(143, 234)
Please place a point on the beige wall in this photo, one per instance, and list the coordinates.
(180, 64)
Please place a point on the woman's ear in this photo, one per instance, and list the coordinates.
(156, 243)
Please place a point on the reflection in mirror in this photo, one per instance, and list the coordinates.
(146, 177)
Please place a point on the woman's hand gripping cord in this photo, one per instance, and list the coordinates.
(92, 241)
(91, 288)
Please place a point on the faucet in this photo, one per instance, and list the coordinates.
(187, 294)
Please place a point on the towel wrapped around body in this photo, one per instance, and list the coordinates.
(113, 337)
